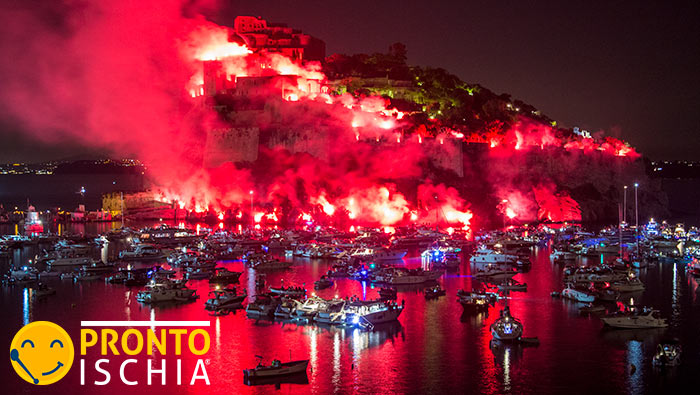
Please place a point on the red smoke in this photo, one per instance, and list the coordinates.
(128, 77)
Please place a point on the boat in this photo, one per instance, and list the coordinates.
(474, 302)
(224, 276)
(634, 318)
(291, 290)
(507, 328)
(32, 222)
(42, 290)
(271, 264)
(226, 298)
(264, 305)
(558, 256)
(87, 276)
(494, 273)
(606, 294)
(331, 312)
(24, 274)
(48, 274)
(198, 274)
(366, 314)
(286, 308)
(434, 292)
(630, 285)
(309, 308)
(486, 255)
(591, 309)
(166, 291)
(576, 294)
(667, 354)
(276, 368)
(694, 267)
(323, 283)
(512, 285)
(379, 255)
(142, 252)
(403, 276)
(70, 261)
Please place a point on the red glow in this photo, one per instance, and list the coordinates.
(339, 161)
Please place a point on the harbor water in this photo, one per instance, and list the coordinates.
(433, 348)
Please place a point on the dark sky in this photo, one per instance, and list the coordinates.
(631, 68)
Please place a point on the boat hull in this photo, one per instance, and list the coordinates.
(285, 369)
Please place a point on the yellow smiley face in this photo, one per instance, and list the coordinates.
(42, 353)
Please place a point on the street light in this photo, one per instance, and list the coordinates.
(636, 216)
(624, 207)
(252, 215)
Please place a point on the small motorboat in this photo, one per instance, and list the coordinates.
(288, 291)
(476, 301)
(42, 290)
(275, 369)
(434, 292)
(48, 274)
(226, 298)
(224, 276)
(667, 354)
(507, 328)
(635, 319)
(629, 285)
(591, 309)
(323, 283)
(578, 295)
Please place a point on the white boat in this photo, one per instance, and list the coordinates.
(577, 295)
(635, 319)
(331, 312)
(507, 328)
(361, 313)
(309, 308)
(562, 256)
(629, 285)
(166, 291)
(486, 255)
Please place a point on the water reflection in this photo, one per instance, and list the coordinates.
(434, 346)
(26, 306)
(635, 360)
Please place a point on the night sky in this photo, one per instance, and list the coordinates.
(631, 68)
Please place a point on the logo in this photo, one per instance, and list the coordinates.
(41, 352)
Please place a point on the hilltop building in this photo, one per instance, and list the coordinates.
(257, 34)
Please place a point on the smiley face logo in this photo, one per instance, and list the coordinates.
(41, 353)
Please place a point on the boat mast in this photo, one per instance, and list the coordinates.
(619, 227)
